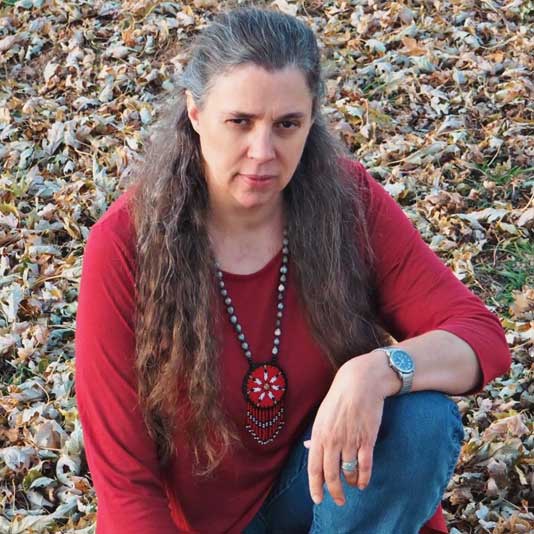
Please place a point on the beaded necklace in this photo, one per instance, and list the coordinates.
(265, 383)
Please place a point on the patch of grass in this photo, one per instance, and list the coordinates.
(21, 374)
(373, 86)
(510, 184)
(7, 371)
(500, 271)
(502, 176)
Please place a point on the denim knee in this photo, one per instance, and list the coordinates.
(414, 457)
(419, 422)
(424, 432)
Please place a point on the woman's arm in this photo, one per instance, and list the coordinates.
(457, 344)
(120, 454)
(443, 362)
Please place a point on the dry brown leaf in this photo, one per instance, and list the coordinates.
(523, 305)
(506, 427)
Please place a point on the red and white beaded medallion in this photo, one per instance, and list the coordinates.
(264, 388)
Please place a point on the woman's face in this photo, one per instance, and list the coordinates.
(252, 128)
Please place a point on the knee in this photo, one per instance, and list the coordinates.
(422, 429)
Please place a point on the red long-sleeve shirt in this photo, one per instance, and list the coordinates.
(416, 291)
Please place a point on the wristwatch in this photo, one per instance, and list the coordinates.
(401, 362)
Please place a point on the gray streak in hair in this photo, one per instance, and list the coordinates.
(267, 39)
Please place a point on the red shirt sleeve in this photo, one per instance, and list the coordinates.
(120, 453)
(417, 292)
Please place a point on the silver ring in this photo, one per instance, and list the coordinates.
(349, 466)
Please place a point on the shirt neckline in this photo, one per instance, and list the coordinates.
(235, 276)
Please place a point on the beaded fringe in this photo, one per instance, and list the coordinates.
(264, 424)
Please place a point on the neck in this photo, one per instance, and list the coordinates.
(237, 223)
(245, 242)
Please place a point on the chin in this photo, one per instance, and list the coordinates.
(251, 202)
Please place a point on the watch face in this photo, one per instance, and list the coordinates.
(402, 360)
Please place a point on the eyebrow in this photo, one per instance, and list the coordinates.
(287, 116)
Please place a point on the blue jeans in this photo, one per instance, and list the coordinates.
(415, 454)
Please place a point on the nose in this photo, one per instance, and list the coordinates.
(261, 146)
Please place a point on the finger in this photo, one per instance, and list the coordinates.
(315, 471)
(365, 465)
(332, 478)
(348, 455)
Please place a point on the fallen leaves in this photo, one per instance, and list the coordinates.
(434, 98)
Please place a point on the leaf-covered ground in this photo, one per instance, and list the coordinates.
(434, 97)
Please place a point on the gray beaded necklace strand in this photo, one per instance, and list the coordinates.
(265, 383)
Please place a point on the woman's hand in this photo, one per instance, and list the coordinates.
(346, 427)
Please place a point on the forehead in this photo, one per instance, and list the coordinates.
(252, 89)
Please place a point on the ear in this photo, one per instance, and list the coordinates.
(192, 110)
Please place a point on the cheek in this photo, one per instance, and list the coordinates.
(214, 149)
(223, 144)
(293, 148)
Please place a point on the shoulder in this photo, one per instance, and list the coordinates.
(370, 191)
(117, 221)
(357, 171)
(111, 242)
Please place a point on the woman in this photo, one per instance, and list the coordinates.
(234, 370)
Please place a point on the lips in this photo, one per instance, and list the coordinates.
(258, 177)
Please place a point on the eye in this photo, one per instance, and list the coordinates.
(289, 125)
(239, 121)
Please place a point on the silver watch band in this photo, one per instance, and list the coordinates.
(407, 380)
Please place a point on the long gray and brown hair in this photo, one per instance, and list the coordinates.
(176, 342)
